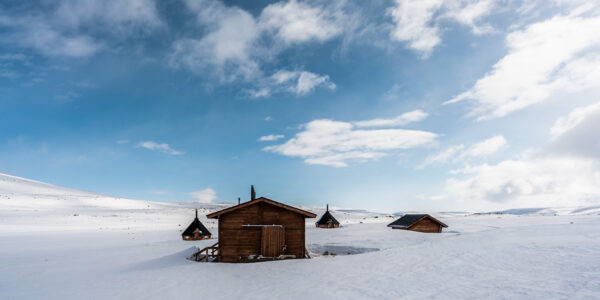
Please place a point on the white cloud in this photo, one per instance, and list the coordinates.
(295, 82)
(393, 93)
(164, 148)
(450, 154)
(403, 119)
(417, 22)
(487, 147)
(36, 34)
(559, 54)
(413, 24)
(226, 49)
(13, 57)
(338, 160)
(469, 13)
(55, 29)
(207, 195)
(333, 143)
(307, 81)
(566, 172)
(259, 93)
(574, 119)
(460, 152)
(235, 44)
(577, 133)
(538, 182)
(118, 16)
(271, 137)
(296, 22)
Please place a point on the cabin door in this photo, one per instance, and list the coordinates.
(272, 241)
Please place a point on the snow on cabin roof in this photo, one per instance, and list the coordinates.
(258, 200)
(408, 220)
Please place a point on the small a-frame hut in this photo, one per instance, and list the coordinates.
(196, 231)
(327, 220)
(418, 222)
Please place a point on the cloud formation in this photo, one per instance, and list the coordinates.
(164, 148)
(417, 22)
(297, 22)
(58, 29)
(237, 44)
(566, 172)
(227, 47)
(207, 195)
(403, 119)
(535, 182)
(459, 153)
(271, 137)
(551, 56)
(577, 133)
(334, 143)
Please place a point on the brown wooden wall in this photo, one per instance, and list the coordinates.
(426, 225)
(236, 241)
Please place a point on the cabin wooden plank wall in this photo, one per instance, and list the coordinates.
(236, 241)
(426, 225)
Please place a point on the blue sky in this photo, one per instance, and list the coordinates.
(387, 105)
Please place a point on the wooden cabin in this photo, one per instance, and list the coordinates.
(196, 231)
(327, 220)
(418, 222)
(261, 229)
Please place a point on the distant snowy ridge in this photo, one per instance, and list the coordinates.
(549, 211)
(21, 193)
(28, 205)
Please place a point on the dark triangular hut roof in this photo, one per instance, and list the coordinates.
(196, 224)
(324, 220)
(407, 221)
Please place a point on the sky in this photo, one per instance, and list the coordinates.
(406, 105)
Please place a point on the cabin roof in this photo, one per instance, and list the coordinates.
(407, 221)
(324, 220)
(259, 200)
(196, 224)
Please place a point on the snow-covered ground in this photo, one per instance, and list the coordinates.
(58, 243)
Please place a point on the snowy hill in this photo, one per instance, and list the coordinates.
(22, 193)
(60, 243)
(23, 200)
(28, 205)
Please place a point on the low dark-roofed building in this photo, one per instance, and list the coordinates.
(327, 220)
(418, 222)
(196, 231)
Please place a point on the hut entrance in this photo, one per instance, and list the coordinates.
(272, 241)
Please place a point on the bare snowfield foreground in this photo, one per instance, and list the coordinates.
(58, 243)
